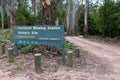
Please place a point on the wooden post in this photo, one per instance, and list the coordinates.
(37, 63)
(77, 52)
(70, 59)
(75, 45)
(10, 55)
(47, 54)
(2, 48)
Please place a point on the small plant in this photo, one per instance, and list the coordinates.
(27, 47)
(6, 36)
(68, 46)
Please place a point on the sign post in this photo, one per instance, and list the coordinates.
(44, 35)
(16, 49)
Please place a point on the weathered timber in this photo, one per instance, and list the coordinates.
(77, 52)
(10, 55)
(38, 63)
(70, 59)
(2, 48)
(75, 45)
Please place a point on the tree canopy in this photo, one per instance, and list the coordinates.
(103, 17)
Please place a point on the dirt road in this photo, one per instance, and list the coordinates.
(110, 53)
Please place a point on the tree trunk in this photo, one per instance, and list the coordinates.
(72, 18)
(2, 15)
(10, 10)
(46, 12)
(34, 7)
(68, 16)
(86, 18)
(80, 9)
(46, 15)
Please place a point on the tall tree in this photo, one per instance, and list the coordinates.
(2, 13)
(23, 13)
(86, 18)
(78, 12)
(34, 7)
(11, 11)
(70, 17)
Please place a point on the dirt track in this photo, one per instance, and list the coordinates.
(108, 52)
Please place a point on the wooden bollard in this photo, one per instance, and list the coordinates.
(70, 59)
(10, 55)
(75, 45)
(47, 54)
(37, 63)
(2, 48)
(77, 52)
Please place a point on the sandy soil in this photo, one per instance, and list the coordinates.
(109, 53)
(98, 61)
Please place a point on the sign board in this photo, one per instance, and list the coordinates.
(45, 35)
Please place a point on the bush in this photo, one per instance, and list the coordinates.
(6, 36)
(68, 46)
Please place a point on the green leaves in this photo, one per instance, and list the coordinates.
(107, 19)
(91, 25)
(27, 47)
(7, 37)
(68, 46)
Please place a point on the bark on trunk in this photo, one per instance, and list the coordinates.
(2, 15)
(10, 10)
(80, 9)
(67, 19)
(34, 7)
(46, 12)
(86, 18)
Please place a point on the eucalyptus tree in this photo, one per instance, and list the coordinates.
(10, 8)
(2, 12)
(35, 7)
(70, 19)
(46, 12)
(86, 18)
(79, 10)
(68, 15)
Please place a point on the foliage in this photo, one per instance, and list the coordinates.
(91, 25)
(103, 20)
(107, 19)
(58, 11)
(6, 36)
(68, 46)
(27, 47)
(37, 19)
(5, 21)
(23, 15)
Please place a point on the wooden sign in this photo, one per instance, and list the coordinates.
(45, 35)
